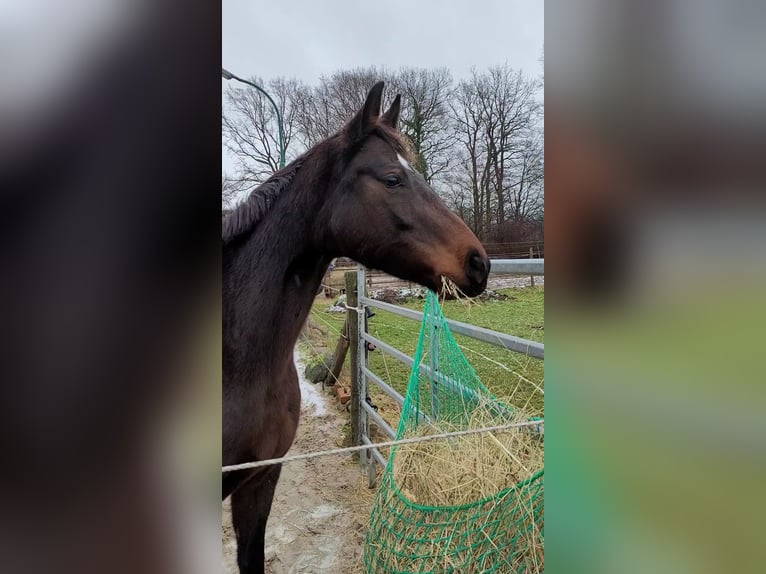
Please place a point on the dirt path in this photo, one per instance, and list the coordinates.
(321, 506)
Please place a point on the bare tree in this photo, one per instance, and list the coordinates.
(347, 90)
(525, 193)
(495, 121)
(479, 142)
(469, 131)
(313, 115)
(509, 107)
(250, 129)
(455, 189)
(325, 108)
(425, 119)
(230, 190)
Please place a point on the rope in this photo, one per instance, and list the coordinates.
(315, 314)
(350, 449)
(330, 287)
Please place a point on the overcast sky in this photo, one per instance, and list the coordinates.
(307, 39)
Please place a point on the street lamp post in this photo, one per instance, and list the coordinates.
(229, 76)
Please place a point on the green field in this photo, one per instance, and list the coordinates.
(505, 373)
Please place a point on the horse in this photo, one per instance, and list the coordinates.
(353, 195)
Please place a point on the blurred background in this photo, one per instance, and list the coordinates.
(655, 134)
(109, 220)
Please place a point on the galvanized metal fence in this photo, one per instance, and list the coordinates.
(361, 375)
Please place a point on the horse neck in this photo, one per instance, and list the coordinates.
(271, 279)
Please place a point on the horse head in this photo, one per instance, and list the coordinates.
(385, 215)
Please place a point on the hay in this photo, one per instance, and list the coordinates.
(464, 469)
(430, 481)
(450, 290)
(457, 550)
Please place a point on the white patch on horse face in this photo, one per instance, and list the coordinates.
(404, 162)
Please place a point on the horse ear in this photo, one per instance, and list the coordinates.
(365, 119)
(391, 117)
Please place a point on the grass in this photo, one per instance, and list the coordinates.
(505, 373)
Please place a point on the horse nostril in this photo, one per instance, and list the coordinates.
(477, 268)
(476, 263)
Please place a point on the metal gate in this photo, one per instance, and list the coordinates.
(361, 375)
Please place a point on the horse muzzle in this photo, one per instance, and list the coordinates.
(477, 267)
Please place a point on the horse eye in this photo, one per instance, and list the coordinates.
(392, 181)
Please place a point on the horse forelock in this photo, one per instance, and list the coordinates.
(392, 137)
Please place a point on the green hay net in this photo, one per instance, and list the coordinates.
(502, 533)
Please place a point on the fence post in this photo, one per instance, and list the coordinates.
(531, 277)
(353, 342)
(339, 356)
(361, 380)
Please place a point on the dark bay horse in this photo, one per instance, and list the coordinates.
(352, 195)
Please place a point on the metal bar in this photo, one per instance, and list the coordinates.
(395, 309)
(375, 452)
(407, 360)
(433, 360)
(388, 349)
(521, 266)
(510, 342)
(385, 387)
(379, 420)
(361, 317)
(441, 379)
(391, 392)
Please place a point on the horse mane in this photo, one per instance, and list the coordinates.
(249, 213)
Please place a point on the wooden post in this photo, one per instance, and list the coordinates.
(340, 354)
(532, 256)
(353, 340)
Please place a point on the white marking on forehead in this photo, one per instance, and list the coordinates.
(404, 162)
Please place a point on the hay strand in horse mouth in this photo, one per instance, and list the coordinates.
(450, 291)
